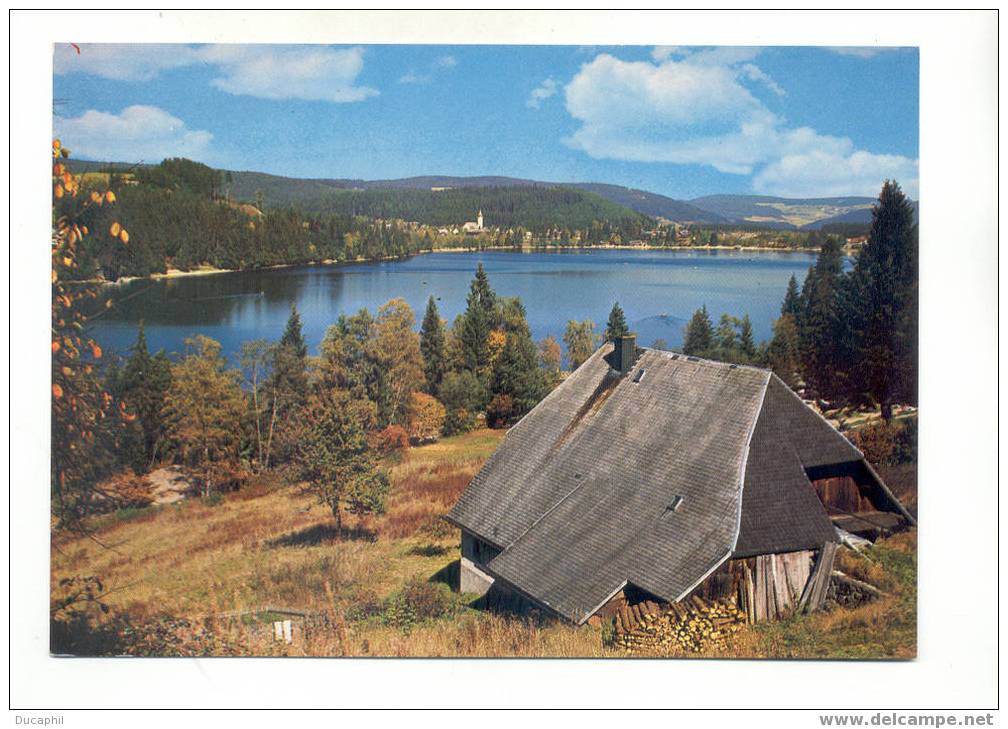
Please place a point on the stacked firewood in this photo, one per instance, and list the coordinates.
(693, 625)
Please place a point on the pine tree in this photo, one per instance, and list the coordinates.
(617, 325)
(516, 373)
(792, 299)
(143, 384)
(699, 337)
(784, 351)
(293, 337)
(290, 365)
(478, 320)
(881, 305)
(745, 339)
(725, 336)
(819, 323)
(432, 347)
(480, 292)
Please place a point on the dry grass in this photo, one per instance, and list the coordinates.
(884, 628)
(277, 546)
(274, 546)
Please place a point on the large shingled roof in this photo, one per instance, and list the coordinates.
(578, 496)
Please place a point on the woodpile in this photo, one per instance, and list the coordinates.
(692, 625)
(847, 591)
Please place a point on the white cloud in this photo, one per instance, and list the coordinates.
(412, 77)
(121, 61)
(706, 55)
(694, 107)
(663, 53)
(755, 73)
(861, 51)
(136, 134)
(610, 92)
(310, 73)
(438, 64)
(828, 174)
(540, 93)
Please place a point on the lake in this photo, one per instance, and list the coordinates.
(658, 290)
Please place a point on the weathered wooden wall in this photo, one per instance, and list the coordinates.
(764, 587)
(767, 586)
(842, 493)
(772, 586)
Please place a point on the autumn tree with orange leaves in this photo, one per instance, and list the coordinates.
(86, 420)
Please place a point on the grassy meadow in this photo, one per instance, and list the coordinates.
(208, 577)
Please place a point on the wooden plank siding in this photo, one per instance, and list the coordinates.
(764, 587)
(843, 494)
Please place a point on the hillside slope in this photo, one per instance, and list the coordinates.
(318, 194)
(793, 212)
(505, 201)
(653, 204)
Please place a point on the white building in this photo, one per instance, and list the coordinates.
(471, 228)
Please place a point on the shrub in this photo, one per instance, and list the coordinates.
(500, 411)
(457, 421)
(462, 394)
(418, 600)
(608, 632)
(81, 624)
(365, 604)
(426, 418)
(905, 449)
(393, 438)
(128, 491)
(259, 484)
(887, 444)
(877, 441)
(428, 599)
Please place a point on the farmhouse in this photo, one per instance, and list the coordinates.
(649, 475)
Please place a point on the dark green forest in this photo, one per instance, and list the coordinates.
(844, 337)
(179, 216)
(182, 215)
(535, 208)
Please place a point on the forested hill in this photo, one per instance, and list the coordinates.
(306, 193)
(412, 198)
(790, 213)
(182, 214)
(505, 202)
(653, 204)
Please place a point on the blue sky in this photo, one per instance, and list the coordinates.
(681, 121)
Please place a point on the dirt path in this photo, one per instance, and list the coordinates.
(169, 485)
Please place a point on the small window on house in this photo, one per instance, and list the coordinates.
(639, 376)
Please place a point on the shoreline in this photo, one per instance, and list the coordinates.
(173, 273)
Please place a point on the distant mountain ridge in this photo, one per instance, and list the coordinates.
(800, 213)
(758, 210)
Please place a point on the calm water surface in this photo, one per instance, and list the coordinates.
(658, 290)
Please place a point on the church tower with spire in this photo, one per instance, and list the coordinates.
(479, 220)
